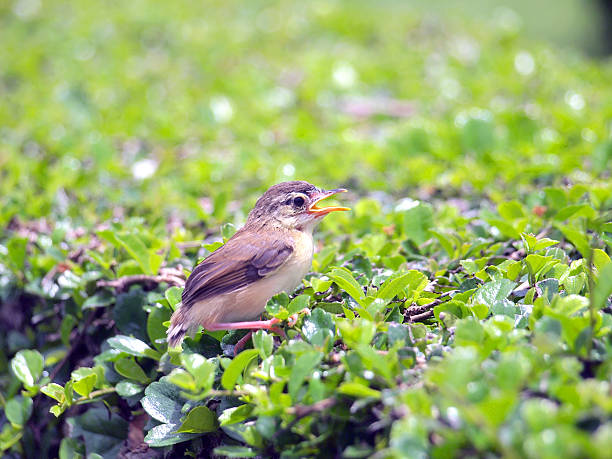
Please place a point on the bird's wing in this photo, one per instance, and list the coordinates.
(244, 259)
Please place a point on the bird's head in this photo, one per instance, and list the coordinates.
(293, 205)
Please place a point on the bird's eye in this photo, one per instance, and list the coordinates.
(298, 201)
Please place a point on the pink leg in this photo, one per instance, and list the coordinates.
(253, 325)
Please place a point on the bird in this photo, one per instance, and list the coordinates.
(270, 254)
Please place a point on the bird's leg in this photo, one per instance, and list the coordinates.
(251, 325)
(242, 342)
(254, 325)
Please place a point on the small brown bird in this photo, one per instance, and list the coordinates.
(270, 254)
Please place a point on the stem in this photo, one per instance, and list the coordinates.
(592, 319)
(123, 283)
(95, 393)
(221, 392)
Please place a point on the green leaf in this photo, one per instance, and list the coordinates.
(264, 343)
(199, 420)
(66, 327)
(357, 331)
(536, 262)
(469, 331)
(298, 304)
(200, 368)
(173, 295)
(18, 410)
(236, 366)
(600, 259)
(529, 242)
(414, 288)
(70, 448)
(227, 230)
(319, 327)
(156, 330)
(16, 247)
(182, 379)
(54, 391)
(417, 221)
(578, 239)
(27, 366)
(235, 414)
(102, 431)
(128, 389)
(99, 300)
(444, 241)
(574, 211)
(345, 280)
(303, 367)
(128, 368)
(544, 243)
(494, 291)
(162, 401)
(132, 346)
(511, 210)
(145, 257)
(166, 435)
(396, 283)
(357, 390)
(603, 288)
(83, 380)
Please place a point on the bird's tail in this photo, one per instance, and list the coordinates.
(179, 326)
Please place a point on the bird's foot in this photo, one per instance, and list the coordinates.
(292, 319)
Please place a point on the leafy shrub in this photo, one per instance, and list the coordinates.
(475, 320)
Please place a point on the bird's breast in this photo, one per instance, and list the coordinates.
(291, 273)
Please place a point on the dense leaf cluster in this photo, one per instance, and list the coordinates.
(472, 320)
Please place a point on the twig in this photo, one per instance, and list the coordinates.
(420, 317)
(304, 410)
(544, 232)
(94, 394)
(189, 245)
(123, 283)
(417, 310)
(226, 393)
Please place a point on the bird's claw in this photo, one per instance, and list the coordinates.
(292, 319)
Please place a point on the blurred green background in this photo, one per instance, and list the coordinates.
(115, 108)
(466, 127)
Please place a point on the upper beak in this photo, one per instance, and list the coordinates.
(314, 209)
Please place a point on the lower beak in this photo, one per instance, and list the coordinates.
(314, 209)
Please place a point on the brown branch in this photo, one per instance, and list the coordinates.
(189, 245)
(123, 283)
(304, 410)
(416, 310)
(421, 317)
(424, 312)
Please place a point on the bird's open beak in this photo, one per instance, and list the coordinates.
(314, 209)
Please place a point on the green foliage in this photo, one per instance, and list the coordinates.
(475, 320)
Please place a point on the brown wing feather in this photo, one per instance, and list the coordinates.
(244, 259)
